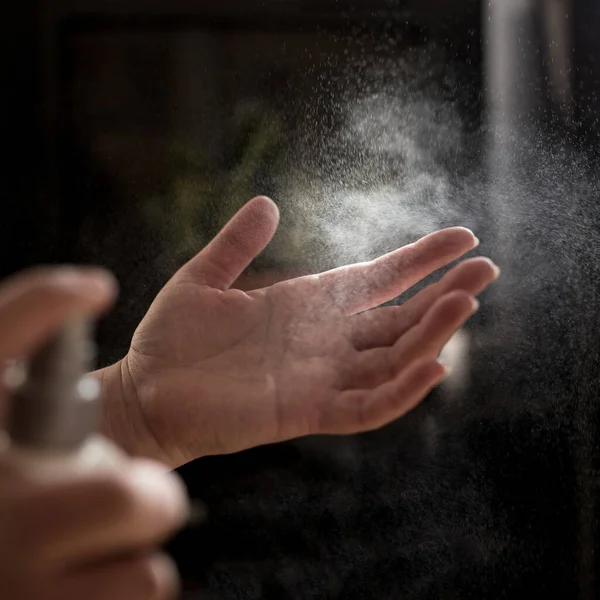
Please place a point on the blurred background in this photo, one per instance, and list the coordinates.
(133, 131)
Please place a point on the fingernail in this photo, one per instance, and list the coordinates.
(475, 304)
(477, 241)
(497, 271)
(86, 280)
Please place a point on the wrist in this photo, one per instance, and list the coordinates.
(122, 418)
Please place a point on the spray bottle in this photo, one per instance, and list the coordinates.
(54, 409)
(54, 413)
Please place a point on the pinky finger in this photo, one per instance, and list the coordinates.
(355, 411)
(152, 577)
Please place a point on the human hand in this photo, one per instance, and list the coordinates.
(92, 536)
(215, 370)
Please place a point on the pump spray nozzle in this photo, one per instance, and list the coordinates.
(55, 407)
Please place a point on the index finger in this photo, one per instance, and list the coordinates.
(81, 519)
(359, 287)
(36, 303)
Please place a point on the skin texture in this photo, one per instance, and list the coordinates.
(94, 536)
(214, 370)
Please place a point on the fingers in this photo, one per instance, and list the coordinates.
(82, 520)
(236, 246)
(424, 341)
(429, 337)
(359, 287)
(35, 303)
(384, 326)
(140, 578)
(91, 536)
(354, 411)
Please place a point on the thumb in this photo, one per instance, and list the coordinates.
(236, 246)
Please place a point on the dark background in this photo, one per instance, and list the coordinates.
(494, 498)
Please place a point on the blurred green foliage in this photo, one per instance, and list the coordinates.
(200, 198)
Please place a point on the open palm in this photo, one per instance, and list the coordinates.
(216, 370)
